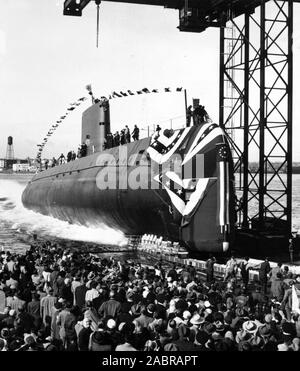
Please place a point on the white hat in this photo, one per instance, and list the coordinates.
(12, 312)
(207, 304)
(111, 324)
(187, 314)
(250, 327)
(197, 319)
(86, 322)
(121, 325)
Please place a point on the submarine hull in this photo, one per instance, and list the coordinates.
(168, 185)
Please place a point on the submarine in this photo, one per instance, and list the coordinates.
(178, 184)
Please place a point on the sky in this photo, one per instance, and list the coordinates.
(47, 59)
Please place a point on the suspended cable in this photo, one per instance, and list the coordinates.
(98, 2)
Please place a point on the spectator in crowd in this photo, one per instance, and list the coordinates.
(210, 269)
(263, 274)
(231, 268)
(78, 302)
(244, 267)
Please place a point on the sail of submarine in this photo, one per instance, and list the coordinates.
(177, 184)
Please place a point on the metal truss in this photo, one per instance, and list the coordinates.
(256, 61)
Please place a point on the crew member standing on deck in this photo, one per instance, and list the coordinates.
(122, 137)
(69, 156)
(135, 133)
(61, 159)
(127, 134)
(83, 150)
(189, 115)
(117, 139)
(157, 131)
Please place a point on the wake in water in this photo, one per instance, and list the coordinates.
(14, 215)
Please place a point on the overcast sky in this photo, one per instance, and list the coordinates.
(47, 59)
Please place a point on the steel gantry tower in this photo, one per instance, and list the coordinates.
(256, 97)
(263, 102)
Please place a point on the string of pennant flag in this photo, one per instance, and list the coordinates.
(127, 93)
(53, 127)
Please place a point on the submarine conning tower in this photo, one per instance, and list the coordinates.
(95, 126)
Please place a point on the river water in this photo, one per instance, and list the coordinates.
(17, 224)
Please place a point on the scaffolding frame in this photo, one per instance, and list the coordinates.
(263, 101)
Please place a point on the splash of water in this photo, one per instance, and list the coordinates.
(18, 217)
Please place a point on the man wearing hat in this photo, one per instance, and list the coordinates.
(46, 305)
(10, 319)
(79, 293)
(201, 341)
(111, 328)
(183, 343)
(209, 328)
(248, 334)
(125, 315)
(92, 293)
(110, 307)
(196, 321)
(100, 341)
(60, 322)
(289, 332)
(269, 341)
(146, 316)
(129, 337)
(161, 303)
(16, 302)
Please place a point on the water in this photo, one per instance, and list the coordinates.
(17, 224)
(277, 185)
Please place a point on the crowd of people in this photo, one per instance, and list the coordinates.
(62, 159)
(56, 299)
(122, 137)
(198, 114)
